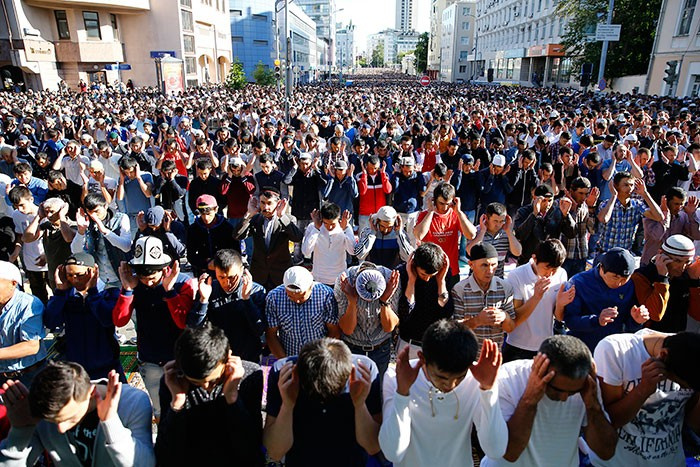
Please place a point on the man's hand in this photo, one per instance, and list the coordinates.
(482, 222)
(281, 207)
(508, 225)
(128, 280)
(204, 287)
(663, 205)
(611, 187)
(607, 316)
(177, 385)
(398, 223)
(59, 277)
(564, 297)
(347, 288)
(107, 406)
(442, 273)
(93, 274)
(540, 375)
(233, 374)
(653, 372)
(640, 314)
(16, 400)
(316, 218)
(593, 196)
(542, 286)
(410, 268)
(345, 219)
(639, 187)
(141, 221)
(82, 221)
(537, 205)
(662, 261)
(406, 374)
(360, 384)
(691, 206)
(170, 275)
(288, 384)
(486, 369)
(98, 223)
(589, 394)
(253, 206)
(247, 284)
(565, 205)
(391, 286)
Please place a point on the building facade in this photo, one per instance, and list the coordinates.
(323, 13)
(405, 19)
(457, 43)
(437, 7)
(253, 38)
(676, 51)
(521, 41)
(346, 50)
(396, 43)
(49, 41)
(302, 30)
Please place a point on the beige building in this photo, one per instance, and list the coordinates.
(50, 40)
(676, 51)
(437, 7)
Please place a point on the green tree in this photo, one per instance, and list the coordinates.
(263, 75)
(629, 55)
(236, 76)
(422, 53)
(362, 62)
(378, 56)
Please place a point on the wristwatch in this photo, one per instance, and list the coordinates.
(444, 295)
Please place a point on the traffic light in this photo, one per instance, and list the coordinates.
(671, 74)
(278, 70)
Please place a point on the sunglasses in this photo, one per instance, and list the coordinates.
(205, 209)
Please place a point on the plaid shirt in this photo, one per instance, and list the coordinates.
(577, 247)
(502, 245)
(469, 300)
(299, 323)
(623, 224)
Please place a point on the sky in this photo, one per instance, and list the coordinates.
(371, 16)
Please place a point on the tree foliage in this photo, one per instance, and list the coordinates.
(263, 75)
(362, 62)
(236, 76)
(628, 56)
(378, 56)
(422, 53)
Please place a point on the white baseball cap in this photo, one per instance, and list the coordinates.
(499, 160)
(10, 272)
(298, 279)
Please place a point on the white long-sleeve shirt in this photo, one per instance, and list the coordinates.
(416, 432)
(121, 241)
(329, 250)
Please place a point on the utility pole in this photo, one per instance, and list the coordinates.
(604, 52)
(288, 71)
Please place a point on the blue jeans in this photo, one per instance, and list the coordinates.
(380, 355)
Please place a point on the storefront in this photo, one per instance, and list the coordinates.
(547, 65)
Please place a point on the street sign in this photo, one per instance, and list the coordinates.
(602, 84)
(121, 66)
(296, 69)
(425, 80)
(162, 53)
(608, 32)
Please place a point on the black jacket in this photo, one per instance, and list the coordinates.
(204, 241)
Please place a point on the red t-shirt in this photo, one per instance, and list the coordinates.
(179, 163)
(444, 231)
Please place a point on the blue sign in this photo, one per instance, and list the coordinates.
(162, 53)
(602, 84)
(121, 66)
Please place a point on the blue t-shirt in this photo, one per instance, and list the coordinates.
(134, 199)
(20, 321)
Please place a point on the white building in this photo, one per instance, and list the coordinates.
(323, 13)
(405, 19)
(395, 43)
(521, 40)
(437, 7)
(457, 42)
(346, 49)
(676, 49)
(50, 41)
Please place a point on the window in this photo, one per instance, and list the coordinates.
(466, 10)
(694, 86)
(187, 3)
(259, 42)
(465, 26)
(187, 22)
(236, 12)
(463, 68)
(190, 65)
(238, 39)
(463, 54)
(259, 17)
(686, 17)
(92, 24)
(115, 26)
(188, 43)
(465, 40)
(62, 24)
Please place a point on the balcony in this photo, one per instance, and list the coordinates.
(89, 51)
(114, 6)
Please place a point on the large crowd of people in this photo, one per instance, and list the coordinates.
(389, 274)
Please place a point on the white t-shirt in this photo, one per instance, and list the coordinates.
(555, 429)
(30, 251)
(538, 326)
(73, 168)
(653, 437)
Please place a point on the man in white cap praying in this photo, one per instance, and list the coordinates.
(384, 241)
(299, 311)
(669, 286)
